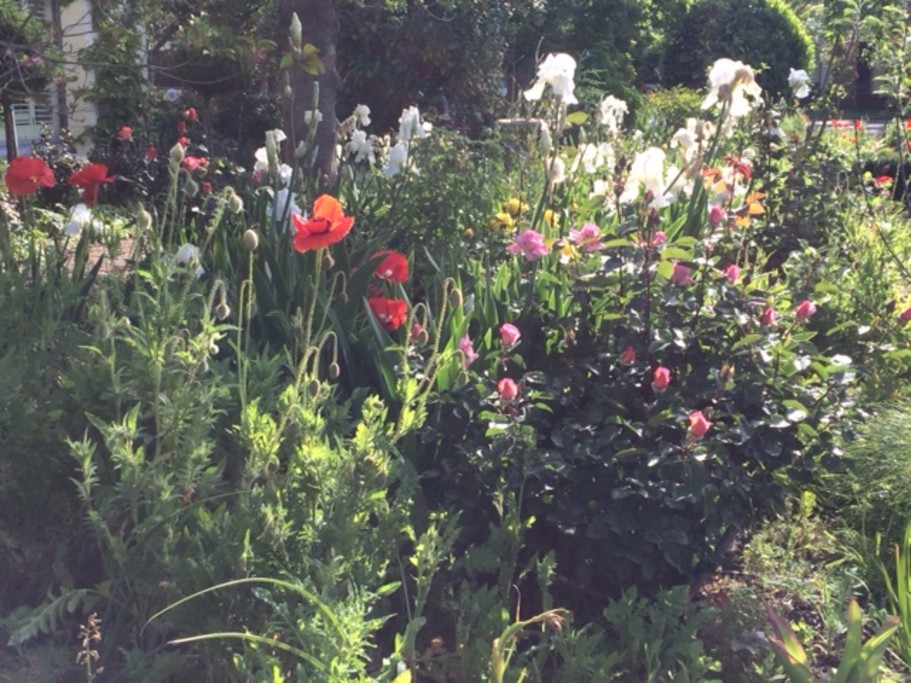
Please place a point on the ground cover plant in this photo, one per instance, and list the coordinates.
(574, 402)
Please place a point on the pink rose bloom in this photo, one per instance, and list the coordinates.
(905, 315)
(732, 273)
(588, 238)
(699, 424)
(628, 357)
(661, 379)
(468, 352)
(769, 316)
(681, 276)
(805, 309)
(509, 334)
(507, 389)
(530, 244)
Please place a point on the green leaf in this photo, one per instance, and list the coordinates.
(577, 118)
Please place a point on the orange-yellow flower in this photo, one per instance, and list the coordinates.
(328, 225)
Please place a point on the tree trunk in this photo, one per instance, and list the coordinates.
(9, 125)
(320, 28)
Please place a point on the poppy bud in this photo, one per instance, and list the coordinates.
(313, 387)
(250, 240)
(222, 311)
(334, 370)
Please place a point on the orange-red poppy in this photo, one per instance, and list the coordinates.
(89, 178)
(393, 268)
(326, 226)
(392, 313)
(26, 174)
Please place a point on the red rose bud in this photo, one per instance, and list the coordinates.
(507, 389)
(732, 273)
(661, 379)
(699, 425)
(509, 334)
(769, 316)
(628, 357)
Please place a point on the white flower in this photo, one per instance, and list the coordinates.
(610, 113)
(411, 126)
(81, 218)
(398, 156)
(285, 202)
(189, 255)
(361, 147)
(362, 115)
(647, 170)
(545, 142)
(558, 71)
(310, 114)
(799, 81)
(556, 171)
(730, 83)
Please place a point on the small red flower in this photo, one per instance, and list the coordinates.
(190, 114)
(699, 424)
(507, 389)
(732, 273)
(328, 225)
(125, 133)
(769, 316)
(391, 313)
(89, 178)
(393, 268)
(191, 163)
(628, 357)
(183, 141)
(26, 174)
(661, 379)
(151, 154)
(805, 309)
(206, 187)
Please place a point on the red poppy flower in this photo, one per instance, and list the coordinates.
(391, 313)
(393, 268)
(26, 174)
(125, 133)
(190, 114)
(328, 225)
(89, 178)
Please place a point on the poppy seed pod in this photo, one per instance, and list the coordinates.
(334, 370)
(313, 388)
(456, 299)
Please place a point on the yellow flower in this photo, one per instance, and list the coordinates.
(515, 206)
(550, 217)
(568, 252)
(502, 221)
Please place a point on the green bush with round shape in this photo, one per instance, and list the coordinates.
(766, 34)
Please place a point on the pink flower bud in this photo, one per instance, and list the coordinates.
(628, 357)
(661, 379)
(509, 334)
(805, 309)
(769, 316)
(507, 389)
(681, 277)
(732, 273)
(716, 215)
(468, 353)
(699, 425)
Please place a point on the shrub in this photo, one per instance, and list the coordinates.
(764, 33)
